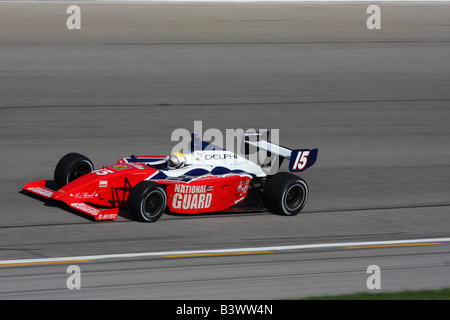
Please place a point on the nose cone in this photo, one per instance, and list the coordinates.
(59, 195)
(78, 186)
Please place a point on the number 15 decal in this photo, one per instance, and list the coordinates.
(301, 159)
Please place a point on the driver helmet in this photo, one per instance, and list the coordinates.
(176, 160)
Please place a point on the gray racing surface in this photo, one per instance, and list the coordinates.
(375, 102)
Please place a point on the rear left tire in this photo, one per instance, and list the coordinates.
(286, 194)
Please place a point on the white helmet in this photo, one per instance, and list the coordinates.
(176, 160)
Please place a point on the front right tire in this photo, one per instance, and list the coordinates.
(71, 167)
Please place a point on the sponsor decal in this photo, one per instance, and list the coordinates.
(84, 195)
(190, 201)
(109, 216)
(120, 167)
(85, 208)
(220, 156)
(189, 197)
(137, 166)
(41, 191)
(243, 187)
(186, 188)
(103, 183)
(165, 181)
(209, 177)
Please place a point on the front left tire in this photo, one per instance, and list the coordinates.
(147, 201)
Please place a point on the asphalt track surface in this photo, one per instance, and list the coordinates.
(375, 102)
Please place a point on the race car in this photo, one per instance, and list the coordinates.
(205, 179)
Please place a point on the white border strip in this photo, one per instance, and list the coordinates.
(223, 1)
(286, 1)
(258, 249)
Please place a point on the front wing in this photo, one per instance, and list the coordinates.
(39, 188)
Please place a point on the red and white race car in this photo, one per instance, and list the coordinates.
(207, 179)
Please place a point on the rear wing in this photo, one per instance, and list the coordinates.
(299, 159)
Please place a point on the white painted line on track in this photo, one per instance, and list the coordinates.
(215, 251)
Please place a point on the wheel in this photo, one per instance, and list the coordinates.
(147, 201)
(286, 194)
(71, 167)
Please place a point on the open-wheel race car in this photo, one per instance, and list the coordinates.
(205, 179)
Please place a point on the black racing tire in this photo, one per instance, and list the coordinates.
(71, 167)
(147, 201)
(286, 194)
